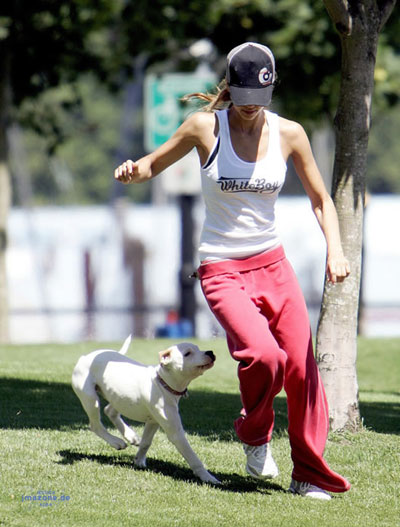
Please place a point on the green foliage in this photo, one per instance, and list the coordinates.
(49, 43)
(79, 169)
(306, 45)
(49, 46)
(46, 445)
(56, 41)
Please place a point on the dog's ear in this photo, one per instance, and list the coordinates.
(165, 357)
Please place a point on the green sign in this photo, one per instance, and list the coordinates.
(164, 111)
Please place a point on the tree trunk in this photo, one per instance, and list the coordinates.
(5, 192)
(336, 348)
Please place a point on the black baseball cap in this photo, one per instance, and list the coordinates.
(250, 74)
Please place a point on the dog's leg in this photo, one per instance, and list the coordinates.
(127, 432)
(91, 405)
(176, 434)
(150, 428)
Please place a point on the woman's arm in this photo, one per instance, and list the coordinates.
(298, 146)
(197, 131)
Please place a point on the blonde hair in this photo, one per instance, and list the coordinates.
(215, 101)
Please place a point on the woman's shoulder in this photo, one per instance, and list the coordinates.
(200, 123)
(294, 139)
(201, 119)
(290, 128)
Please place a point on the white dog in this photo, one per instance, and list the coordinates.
(148, 394)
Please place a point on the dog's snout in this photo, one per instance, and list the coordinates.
(210, 354)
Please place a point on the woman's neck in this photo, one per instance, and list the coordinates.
(247, 120)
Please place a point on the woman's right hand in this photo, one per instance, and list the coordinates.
(133, 171)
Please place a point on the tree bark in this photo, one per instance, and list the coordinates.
(359, 24)
(5, 191)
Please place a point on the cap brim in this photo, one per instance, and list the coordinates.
(251, 96)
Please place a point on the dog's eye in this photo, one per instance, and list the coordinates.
(187, 354)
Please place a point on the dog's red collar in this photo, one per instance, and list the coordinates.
(171, 390)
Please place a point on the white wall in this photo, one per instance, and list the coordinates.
(47, 286)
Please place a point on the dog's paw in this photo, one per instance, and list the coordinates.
(206, 477)
(118, 443)
(132, 437)
(212, 480)
(140, 462)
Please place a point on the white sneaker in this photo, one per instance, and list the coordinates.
(260, 463)
(308, 490)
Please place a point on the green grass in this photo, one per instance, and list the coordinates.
(45, 445)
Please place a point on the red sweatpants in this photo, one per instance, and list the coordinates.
(260, 305)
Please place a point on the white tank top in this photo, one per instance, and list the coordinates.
(240, 196)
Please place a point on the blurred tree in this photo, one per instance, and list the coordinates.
(44, 44)
(78, 170)
(358, 24)
(308, 66)
(305, 45)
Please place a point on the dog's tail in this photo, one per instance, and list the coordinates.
(125, 345)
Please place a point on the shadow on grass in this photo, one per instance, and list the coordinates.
(212, 414)
(381, 417)
(39, 404)
(229, 482)
(54, 406)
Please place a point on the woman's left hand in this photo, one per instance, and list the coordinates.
(338, 268)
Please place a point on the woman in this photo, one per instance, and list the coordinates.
(246, 279)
